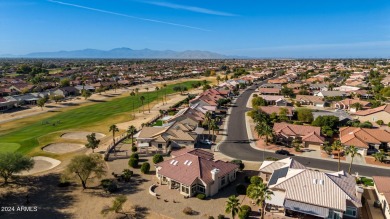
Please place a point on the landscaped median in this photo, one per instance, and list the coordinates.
(95, 117)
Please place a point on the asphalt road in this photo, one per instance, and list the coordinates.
(237, 145)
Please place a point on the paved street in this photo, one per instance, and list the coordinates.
(237, 145)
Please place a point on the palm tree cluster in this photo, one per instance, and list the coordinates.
(211, 123)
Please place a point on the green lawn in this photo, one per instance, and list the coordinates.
(158, 123)
(26, 138)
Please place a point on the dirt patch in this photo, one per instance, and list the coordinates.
(42, 164)
(62, 148)
(81, 135)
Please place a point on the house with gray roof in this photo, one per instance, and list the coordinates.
(301, 191)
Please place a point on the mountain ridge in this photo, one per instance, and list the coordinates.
(126, 53)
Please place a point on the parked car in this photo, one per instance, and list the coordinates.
(282, 152)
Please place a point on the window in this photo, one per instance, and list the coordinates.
(201, 189)
(159, 145)
(185, 189)
(351, 211)
(223, 181)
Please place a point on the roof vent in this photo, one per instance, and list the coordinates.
(175, 162)
(172, 161)
(189, 163)
(321, 182)
(314, 181)
(185, 162)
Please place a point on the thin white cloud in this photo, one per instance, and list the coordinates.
(188, 8)
(128, 16)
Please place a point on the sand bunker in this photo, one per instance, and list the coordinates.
(81, 135)
(62, 148)
(42, 164)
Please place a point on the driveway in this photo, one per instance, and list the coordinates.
(237, 145)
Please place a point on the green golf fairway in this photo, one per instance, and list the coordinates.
(25, 139)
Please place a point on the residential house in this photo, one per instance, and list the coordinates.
(341, 94)
(309, 135)
(366, 140)
(332, 195)
(310, 100)
(274, 100)
(193, 171)
(270, 86)
(343, 116)
(375, 114)
(347, 104)
(276, 110)
(66, 91)
(269, 91)
(382, 189)
(7, 104)
(172, 135)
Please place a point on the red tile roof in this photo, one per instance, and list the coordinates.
(385, 108)
(308, 133)
(361, 137)
(188, 167)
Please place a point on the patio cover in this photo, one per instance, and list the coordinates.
(143, 145)
(306, 208)
(277, 198)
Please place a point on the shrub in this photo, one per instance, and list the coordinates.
(157, 158)
(187, 211)
(380, 122)
(221, 216)
(211, 217)
(298, 123)
(201, 196)
(245, 210)
(271, 158)
(239, 163)
(134, 149)
(388, 124)
(134, 155)
(241, 189)
(133, 162)
(145, 168)
(109, 185)
(126, 175)
(256, 180)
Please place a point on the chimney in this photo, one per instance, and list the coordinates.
(214, 173)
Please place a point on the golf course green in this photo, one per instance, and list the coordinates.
(25, 139)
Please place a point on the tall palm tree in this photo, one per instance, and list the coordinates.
(157, 89)
(336, 146)
(142, 98)
(131, 131)
(263, 129)
(352, 151)
(113, 129)
(259, 193)
(165, 92)
(207, 120)
(147, 95)
(213, 126)
(232, 205)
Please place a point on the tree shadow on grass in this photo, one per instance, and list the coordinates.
(41, 192)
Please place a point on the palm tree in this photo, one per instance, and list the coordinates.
(352, 151)
(142, 98)
(263, 129)
(132, 93)
(213, 126)
(92, 142)
(380, 156)
(157, 89)
(207, 120)
(358, 106)
(137, 90)
(131, 131)
(336, 146)
(113, 129)
(259, 193)
(165, 92)
(218, 79)
(232, 205)
(147, 95)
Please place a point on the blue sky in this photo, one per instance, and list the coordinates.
(255, 28)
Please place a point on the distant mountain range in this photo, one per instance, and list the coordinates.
(126, 53)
